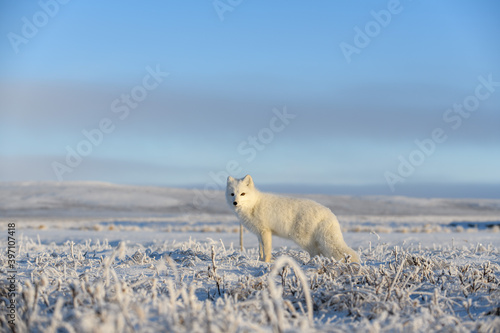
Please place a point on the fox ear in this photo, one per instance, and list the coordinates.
(248, 180)
(230, 179)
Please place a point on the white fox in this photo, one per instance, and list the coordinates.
(309, 224)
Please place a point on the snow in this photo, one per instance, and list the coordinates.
(100, 257)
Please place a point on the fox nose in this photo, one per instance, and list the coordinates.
(235, 203)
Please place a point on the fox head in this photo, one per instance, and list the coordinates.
(240, 193)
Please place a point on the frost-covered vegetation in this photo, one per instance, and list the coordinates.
(208, 287)
(94, 257)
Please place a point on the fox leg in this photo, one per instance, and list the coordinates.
(261, 248)
(266, 238)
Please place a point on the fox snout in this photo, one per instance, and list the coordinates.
(235, 203)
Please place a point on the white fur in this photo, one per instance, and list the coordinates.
(312, 226)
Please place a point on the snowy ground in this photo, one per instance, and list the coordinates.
(95, 257)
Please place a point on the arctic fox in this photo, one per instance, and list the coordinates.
(309, 224)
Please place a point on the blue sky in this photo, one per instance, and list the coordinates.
(65, 67)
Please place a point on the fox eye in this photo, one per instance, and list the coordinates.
(242, 194)
(232, 194)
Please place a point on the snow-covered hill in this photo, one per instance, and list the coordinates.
(50, 202)
(78, 199)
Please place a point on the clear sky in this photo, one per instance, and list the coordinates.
(363, 97)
